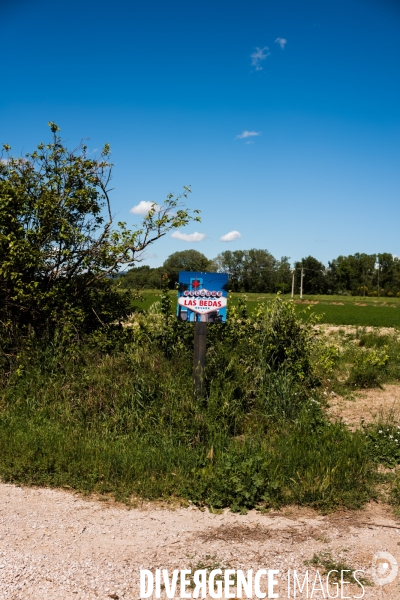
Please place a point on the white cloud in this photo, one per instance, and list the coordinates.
(230, 237)
(144, 207)
(246, 134)
(282, 42)
(258, 56)
(189, 237)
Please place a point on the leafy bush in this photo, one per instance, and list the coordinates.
(59, 245)
(368, 367)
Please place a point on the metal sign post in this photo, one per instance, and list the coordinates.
(199, 357)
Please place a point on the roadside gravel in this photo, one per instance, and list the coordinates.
(58, 545)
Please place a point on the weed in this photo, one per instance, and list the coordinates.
(336, 567)
(384, 443)
(209, 563)
(372, 340)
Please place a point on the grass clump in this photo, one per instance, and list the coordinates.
(395, 494)
(384, 443)
(336, 567)
(369, 367)
(364, 360)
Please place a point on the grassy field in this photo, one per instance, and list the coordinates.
(335, 310)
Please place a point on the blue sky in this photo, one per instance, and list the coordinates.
(174, 87)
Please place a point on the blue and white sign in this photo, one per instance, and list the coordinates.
(202, 296)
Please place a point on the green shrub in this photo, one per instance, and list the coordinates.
(369, 367)
(60, 245)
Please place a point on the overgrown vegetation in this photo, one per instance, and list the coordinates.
(96, 401)
(124, 421)
(366, 360)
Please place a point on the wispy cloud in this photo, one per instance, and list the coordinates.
(189, 237)
(258, 56)
(247, 134)
(230, 237)
(282, 42)
(144, 207)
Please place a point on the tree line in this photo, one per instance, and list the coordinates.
(257, 270)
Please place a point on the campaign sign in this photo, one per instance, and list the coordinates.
(202, 297)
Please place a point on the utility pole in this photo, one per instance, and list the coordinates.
(378, 278)
(301, 282)
(378, 274)
(364, 282)
(293, 283)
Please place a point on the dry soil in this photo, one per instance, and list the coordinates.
(57, 545)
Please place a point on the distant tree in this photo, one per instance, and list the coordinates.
(388, 273)
(283, 275)
(233, 263)
(186, 260)
(143, 277)
(254, 270)
(59, 245)
(259, 271)
(350, 273)
(314, 281)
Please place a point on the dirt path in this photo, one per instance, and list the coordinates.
(367, 405)
(55, 544)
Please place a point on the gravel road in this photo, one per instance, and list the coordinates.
(58, 545)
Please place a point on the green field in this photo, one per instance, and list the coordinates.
(335, 310)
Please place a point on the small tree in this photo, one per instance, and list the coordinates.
(59, 244)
